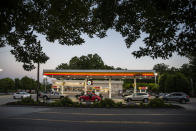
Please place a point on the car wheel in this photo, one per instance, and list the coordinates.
(145, 100)
(183, 101)
(82, 100)
(61, 97)
(128, 100)
(45, 97)
(165, 100)
(96, 100)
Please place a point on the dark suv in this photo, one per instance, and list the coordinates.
(177, 96)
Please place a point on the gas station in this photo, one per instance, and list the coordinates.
(111, 78)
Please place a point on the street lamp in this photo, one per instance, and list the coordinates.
(155, 74)
(45, 77)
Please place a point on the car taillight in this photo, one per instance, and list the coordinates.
(187, 96)
(148, 95)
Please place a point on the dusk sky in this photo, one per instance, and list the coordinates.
(112, 50)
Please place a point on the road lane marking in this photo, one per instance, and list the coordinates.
(98, 114)
(108, 122)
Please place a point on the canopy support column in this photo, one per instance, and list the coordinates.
(85, 86)
(110, 88)
(62, 89)
(135, 85)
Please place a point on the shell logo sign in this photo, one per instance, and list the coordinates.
(89, 82)
(143, 88)
(54, 86)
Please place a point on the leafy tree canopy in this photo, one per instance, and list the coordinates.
(192, 59)
(28, 83)
(6, 84)
(174, 82)
(161, 68)
(170, 25)
(62, 20)
(85, 62)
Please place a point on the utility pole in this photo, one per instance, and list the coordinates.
(38, 85)
(37, 80)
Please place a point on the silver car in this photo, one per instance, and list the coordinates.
(177, 96)
(137, 97)
(21, 95)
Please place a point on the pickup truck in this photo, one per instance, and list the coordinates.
(137, 97)
(51, 95)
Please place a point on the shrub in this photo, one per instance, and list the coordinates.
(76, 104)
(118, 104)
(27, 100)
(66, 101)
(56, 103)
(156, 103)
(96, 104)
(107, 103)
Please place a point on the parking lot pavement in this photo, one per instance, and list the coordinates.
(9, 98)
(189, 105)
(6, 98)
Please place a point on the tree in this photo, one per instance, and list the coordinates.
(192, 59)
(152, 87)
(127, 85)
(161, 68)
(192, 74)
(173, 69)
(28, 83)
(62, 20)
(174, 82)
(6, 84)
(17, 84)
(85, 62)
(169, 25)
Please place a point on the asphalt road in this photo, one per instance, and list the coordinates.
(95, 119)
(36, 118)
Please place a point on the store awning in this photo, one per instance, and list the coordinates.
(99, 74)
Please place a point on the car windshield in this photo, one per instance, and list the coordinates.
(141, 94)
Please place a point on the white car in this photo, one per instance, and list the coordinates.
(137, 97)
(21, 95)
(52, 95)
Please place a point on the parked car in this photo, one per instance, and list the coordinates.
(78, 95)
(51, 95)
(90, 97)
(127, 93)
(161, 95)
(137, 97)
(177, 96)
(21, 95)
(153, 95)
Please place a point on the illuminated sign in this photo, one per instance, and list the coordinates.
(89, 82)
(143, 88)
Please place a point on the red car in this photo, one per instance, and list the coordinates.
(90, 97)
